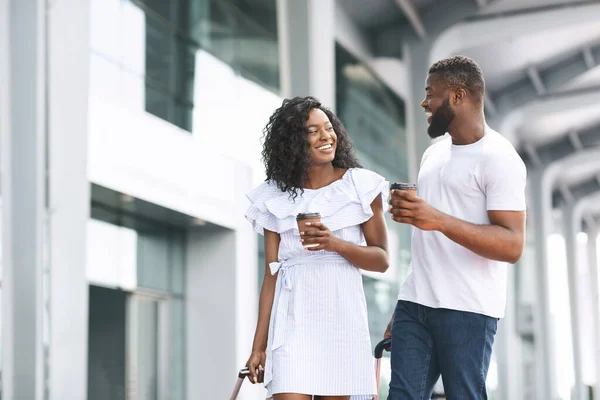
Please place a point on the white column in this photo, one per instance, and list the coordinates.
(592, 254)
(507, 347)
(23, 194)
(69, 198)
(221, 303)
(540, 182)
(210, 311)
(418, 139)
(306, 33)
(572, 228)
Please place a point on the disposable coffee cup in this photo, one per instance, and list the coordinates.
(303, 218)
(409, 187)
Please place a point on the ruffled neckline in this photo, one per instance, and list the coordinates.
(343, 202)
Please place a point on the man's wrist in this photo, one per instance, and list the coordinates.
(442, 222)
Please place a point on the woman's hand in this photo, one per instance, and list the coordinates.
(318, 233)
(256, 366)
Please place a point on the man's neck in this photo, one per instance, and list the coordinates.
(467, 130)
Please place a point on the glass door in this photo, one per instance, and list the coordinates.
(147, 353)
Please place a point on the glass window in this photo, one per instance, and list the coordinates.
(373, 116)
(144, 346)
(155, 253)
(177, 349)
(177, 252)
(156, 43)
(239, 32)
(153, 259)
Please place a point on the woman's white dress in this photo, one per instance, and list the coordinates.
(318, 339)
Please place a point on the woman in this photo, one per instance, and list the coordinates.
(312, 336)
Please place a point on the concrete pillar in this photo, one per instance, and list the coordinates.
(592, 254)
(306, 33)
(23, 87)
(69, 198)
(210, 295)
(572, 228)
(540, 182)
(221, 304)
(418, 60)
(507, 346)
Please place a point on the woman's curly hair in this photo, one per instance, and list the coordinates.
(286, 152)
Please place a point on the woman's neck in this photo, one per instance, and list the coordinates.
(321, 175)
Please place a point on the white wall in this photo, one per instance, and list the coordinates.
(134, 152)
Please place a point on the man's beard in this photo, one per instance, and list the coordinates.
(441, 119)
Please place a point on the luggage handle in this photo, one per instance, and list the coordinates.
(381, 346)
(244, 372)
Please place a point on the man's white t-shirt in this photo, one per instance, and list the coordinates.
(464, 182)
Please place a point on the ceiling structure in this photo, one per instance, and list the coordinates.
(541, 61)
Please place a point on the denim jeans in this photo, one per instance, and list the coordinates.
(427, 342)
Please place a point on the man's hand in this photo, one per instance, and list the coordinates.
(406, 207)
(388, 331)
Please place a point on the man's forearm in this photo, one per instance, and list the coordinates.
(490, 241)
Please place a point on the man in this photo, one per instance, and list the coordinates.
(469, 219)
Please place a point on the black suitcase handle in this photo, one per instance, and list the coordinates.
(244, 372)
(381, 347)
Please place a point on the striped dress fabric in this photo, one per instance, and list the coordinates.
(318, 341)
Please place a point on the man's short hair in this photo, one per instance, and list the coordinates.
(460, 72)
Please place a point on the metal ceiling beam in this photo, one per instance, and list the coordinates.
(575, 192)
(562, 149)
(412, 13)
(531, 9)
(536, 80)
(566, 192)
(575, 141)
(562, 146)
(479, 30)
(514, 123)
(389, 39)
(532, 154)
(547, 80)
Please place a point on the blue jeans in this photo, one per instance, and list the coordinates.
(427, 342)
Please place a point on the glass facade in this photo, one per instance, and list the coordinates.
(374, 118)
(153, 323)
(144, 52)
